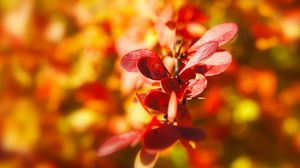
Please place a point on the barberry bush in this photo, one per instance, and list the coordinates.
(166, 102)
(75, 73)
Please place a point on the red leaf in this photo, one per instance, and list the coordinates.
(145, 159)
(161, 138)
(215, 64)
(153, 123)
(118, 142)
(221, 33)
(129, 61)
(203, 52)
(172, 107)
(187, 74)
(191, 133)
(170, 85)
(157, 100)
(183, 116)
(195, 87)
(152, 68)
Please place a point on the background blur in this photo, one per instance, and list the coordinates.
(62, 91)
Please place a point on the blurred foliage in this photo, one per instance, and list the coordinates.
(62, 92)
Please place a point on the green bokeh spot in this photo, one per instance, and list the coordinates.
(179, 156)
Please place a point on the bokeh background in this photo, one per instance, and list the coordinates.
(63, 93)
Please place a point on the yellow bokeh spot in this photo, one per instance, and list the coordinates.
(83, 70)
(20, 74)
(266, 10)
(291, 29)
(21, 127)
(246, 110)
(263, 44)
(82, 119)
(136, 114)
(56, 30)
(290, 126)
(151, 38)
(242, 162)
(246, 5)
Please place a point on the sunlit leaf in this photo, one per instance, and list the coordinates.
(195, 87)
(118, 142)
(130, 60)
(221, 33)
(203, 52)
(215, 64)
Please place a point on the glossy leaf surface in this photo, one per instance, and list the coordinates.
(215, 64)
(129, 61)
(152, 68)
(203, 52)
(157, 100)
(169, 85)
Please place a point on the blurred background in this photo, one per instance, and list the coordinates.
(63, 93)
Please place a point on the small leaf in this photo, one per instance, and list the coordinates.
(221, 33)
(195, 87)
(191, 133)
(187, 75)
(172, 107)
(183, 116)
(129, 61)
(157, 100)
(153, 123)
(203, 52)
(118, 142)
(152, 68)
(215, 64)
(169, 85)
(161, 138)
(145, 159)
